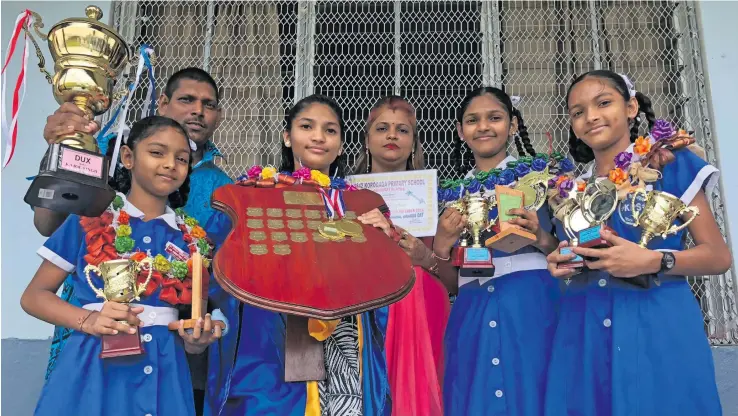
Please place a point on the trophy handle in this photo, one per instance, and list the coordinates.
(676, 228)
(142, 287)
(91, 268)
(37, 24)
(493, 221)
(636, 213)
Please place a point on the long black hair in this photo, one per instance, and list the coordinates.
(522, 140)
(577, 148)
(143, 129)
(287, 163)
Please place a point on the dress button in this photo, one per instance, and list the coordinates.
(147, 338)
(495, 361)
(492, 324)
(498, 393)
(148, 414)
(607, 322)
(148, 369)
(490, 288)
(602, 282)
(147, 239)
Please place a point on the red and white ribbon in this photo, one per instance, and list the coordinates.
(10, 130)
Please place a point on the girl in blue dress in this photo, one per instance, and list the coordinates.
(141, 222)
(620, 348)
(500, 329)
(246, 371)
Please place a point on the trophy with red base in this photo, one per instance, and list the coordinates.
(584, 224)
(119, 285)
(475, 261)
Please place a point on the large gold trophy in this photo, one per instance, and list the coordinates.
(120, 285)
(88, 55)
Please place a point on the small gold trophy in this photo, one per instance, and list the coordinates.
(88, 55)
(474, 261)
(658, 214)
(119, 285)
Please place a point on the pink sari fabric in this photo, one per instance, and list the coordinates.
(415, 347)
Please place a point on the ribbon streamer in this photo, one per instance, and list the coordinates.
(10, 131)
(122, 126)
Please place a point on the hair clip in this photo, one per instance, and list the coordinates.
(193, 146)
(516, 100)
(629, 84)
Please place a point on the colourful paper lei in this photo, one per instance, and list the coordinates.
(557, 165)
(108, 237)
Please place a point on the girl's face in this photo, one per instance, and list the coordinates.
(315, 137)
(599, 116)
(390, 138)
(485, 126)
(160, 162)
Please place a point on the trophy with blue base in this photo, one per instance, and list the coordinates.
(474, 261)
(586, 220)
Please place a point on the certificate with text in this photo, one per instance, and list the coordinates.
(411, 196)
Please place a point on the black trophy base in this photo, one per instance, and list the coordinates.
(475, 272)
(62, 192)
(73, 181)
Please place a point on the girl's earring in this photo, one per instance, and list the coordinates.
(288, 144)
(368, 161)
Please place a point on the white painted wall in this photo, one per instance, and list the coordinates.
(19, 238)
(719, 36)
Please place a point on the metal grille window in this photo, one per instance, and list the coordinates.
(266, 55)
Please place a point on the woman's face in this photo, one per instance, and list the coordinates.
(390, 138)
(315, 137)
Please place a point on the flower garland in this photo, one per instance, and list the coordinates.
(268, 177)
(556, 163)
(652, 151)
(108, 237)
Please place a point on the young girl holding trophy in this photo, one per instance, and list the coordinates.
(248, 374)
(622, 348)
(501, 325)
(122, 359)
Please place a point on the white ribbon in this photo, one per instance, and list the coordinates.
(122, 127)
(516, 100)
(629, 84)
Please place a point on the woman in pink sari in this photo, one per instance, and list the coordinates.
(414, 341)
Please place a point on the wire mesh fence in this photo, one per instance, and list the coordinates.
(267, 54)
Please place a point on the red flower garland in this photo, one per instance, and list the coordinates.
(100, 238)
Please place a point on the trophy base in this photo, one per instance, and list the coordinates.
(510, 240)
(73, 181)
(121, 345)
(303, 355)
(190, 324)
(641, 281)
(592, 237)
(475, 262)
(575, 263)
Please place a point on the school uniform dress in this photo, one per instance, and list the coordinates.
(155, 383)
(624, 350)
(246, 367)
(499, 335)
